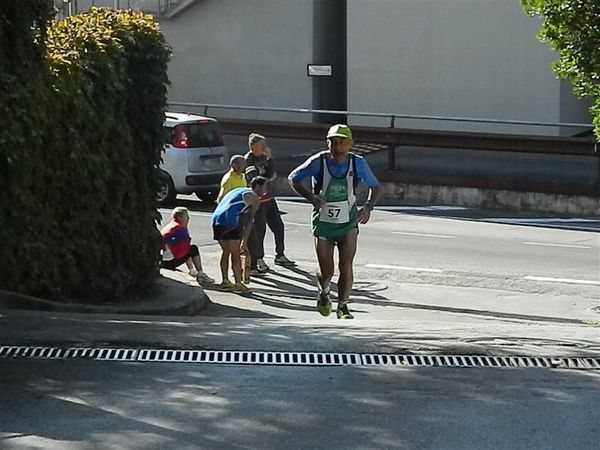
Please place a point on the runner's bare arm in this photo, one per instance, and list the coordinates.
(365, 212)
(252, 202)
(315, 200)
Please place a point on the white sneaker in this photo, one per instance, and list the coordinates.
(193, 273)
(261, 266)
(204, 279)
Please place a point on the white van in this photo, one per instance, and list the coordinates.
(195, 157)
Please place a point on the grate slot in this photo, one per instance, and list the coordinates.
(498, 362)
(572, 363)
(540, 362)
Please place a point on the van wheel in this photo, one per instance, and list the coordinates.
(166, 193)
(207, 197)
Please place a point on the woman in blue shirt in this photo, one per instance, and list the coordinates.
(232, 223)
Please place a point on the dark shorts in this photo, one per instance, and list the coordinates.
(226, 233)
(174, 263)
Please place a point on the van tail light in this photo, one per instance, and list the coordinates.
(181, 138)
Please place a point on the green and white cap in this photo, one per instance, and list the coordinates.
(340, 130)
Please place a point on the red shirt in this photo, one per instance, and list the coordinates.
(177, 239)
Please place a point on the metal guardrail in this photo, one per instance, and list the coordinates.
(393, 137)
(397, 137)
(408, 136)
(391, 116)
(157, 7)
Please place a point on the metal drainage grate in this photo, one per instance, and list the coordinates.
(264, 358)
(97, 354)
(295, 358)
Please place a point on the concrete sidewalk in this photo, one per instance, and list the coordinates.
(279, 315)
(175, 294)
(500, 338)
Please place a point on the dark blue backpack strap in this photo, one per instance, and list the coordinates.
(355, 179)
(319, 181)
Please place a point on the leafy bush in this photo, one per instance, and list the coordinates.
(572, 27)
(78, 211)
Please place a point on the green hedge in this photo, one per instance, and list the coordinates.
(78, 214)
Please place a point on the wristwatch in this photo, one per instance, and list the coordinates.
(369, 206)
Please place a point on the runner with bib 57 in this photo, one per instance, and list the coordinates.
(334, 175)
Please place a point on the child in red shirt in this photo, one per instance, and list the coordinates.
(178, 248)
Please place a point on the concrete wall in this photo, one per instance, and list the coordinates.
(251, 52)
(465, 58)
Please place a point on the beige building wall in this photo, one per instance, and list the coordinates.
(250, 52)
(459, 58)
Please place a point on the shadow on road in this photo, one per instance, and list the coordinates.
(157, 405)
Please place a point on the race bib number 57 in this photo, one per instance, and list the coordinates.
(336, 212)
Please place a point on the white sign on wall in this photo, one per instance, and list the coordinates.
(316, 70)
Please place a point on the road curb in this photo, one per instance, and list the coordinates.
(173, 294)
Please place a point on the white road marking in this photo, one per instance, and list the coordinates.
(413, 269)
(192, 213)
(543, 220)
(441, 236)
(563, 280)
(422, 208)
(297, 224)
(546, 244)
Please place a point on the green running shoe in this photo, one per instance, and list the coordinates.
(324, 304)
(343, 313)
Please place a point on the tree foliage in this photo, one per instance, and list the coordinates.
(572, 28)
(80, 142)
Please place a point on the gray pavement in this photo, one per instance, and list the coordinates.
(95, 405)
(174, 293)
(487, 337)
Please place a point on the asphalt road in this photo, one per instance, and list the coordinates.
(428, 267)
(428, 280)
(93, 405)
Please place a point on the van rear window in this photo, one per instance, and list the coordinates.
(204, 134)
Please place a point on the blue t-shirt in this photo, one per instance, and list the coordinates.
(227, 212)
(312, 168)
